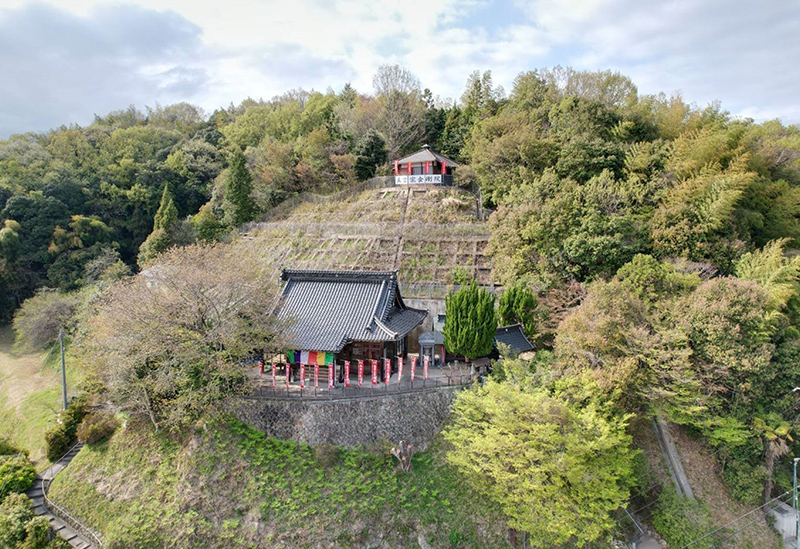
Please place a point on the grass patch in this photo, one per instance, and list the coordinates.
(30, 395)
(233, 487)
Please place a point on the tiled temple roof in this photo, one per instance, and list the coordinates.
(327, 309)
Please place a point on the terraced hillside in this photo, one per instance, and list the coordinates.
(426, 234)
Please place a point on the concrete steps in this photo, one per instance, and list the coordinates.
(36, 494)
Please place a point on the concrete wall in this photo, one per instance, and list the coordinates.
(785, 518)
(411, 417)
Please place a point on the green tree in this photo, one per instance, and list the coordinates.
(238, 204)
(370, 153)
(157, 243)
(16, 475)
(555, 465)
(160, 239)
(471, 323)
(776, 433)
(9, 240)
(518, 305)
(167, 214)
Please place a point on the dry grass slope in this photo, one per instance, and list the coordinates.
(424, 233)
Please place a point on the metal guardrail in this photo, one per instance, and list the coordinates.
(354, 392)
(57, 510)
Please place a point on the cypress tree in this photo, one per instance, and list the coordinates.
(167, 213)
(470, 322)
(239, 205)
(518, 304)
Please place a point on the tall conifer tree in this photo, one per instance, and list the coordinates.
(470, 322)
(167, 213)
(239, 205)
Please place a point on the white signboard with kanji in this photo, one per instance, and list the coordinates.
(433, 179)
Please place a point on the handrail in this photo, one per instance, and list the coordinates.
(65, 515)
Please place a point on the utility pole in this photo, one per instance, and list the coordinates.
(796, 514)
(64, 374)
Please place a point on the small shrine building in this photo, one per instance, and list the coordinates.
(424, 167)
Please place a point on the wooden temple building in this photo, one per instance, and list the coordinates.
(424, 167)
(346, 315)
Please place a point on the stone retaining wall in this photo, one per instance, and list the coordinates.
(411, 417)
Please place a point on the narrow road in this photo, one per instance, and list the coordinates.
(57, 524)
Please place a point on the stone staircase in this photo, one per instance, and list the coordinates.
(61, 521)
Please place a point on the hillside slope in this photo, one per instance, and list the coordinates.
(702, 471)
(423, 233)
(30, 396)
(229, 486)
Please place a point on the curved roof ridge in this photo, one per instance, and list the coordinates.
(319, 274)
(427, 154)
(384, 327)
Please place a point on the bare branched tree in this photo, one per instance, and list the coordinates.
(401, 110)
(168, 342)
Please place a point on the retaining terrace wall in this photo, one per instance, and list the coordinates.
(411, 417)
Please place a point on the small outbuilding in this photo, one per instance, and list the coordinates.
(424, 167)
(431, 344)
(514, 337)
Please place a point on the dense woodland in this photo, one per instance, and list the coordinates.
(649, 246)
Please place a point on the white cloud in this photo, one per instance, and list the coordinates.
(212, 53)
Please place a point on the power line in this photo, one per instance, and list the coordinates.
(729, 536)
(736, 519)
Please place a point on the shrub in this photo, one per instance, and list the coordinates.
(21, 528)
(97, 427)
(745, 482)
(7, 448)
(680, 520)
(326, 454)
(57, 442)
(16, 475)
(59, 439)
(15, 512)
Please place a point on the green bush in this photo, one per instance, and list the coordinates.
(745, 482)
(16, 475)
(59, 439)
(97, 427)
(15, 512)
(680, 520)
(20, 528)
(7, 448)
(326, 454)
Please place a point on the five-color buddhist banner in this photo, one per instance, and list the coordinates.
(320, 358)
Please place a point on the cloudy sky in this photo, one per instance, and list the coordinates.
(62, 61)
